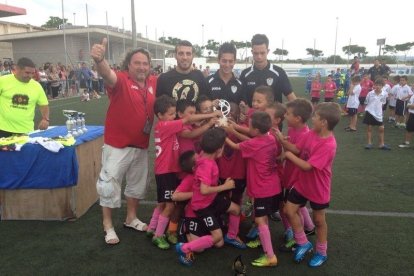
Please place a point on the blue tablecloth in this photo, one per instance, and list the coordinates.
(34, 167)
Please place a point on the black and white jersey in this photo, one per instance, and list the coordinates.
(272, 76)
(182, 86)
(231, 92)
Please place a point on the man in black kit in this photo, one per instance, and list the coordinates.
(262, 72)
(183, 82)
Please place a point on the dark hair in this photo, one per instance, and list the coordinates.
(186, 161)
(213, 140)
(163, 103)
(302, 108)
(404, 77)
(396, 78)
(267, 91)
(25, 62)
(280, 110)
(356, 78)
(129, 55)
(185, 43)
(379, 81)
(227, 48)
(182, 105)
(259, 39)
(331, 112)
(201, 100)
(261, 121)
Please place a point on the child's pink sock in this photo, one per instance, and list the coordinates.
(321, 248)
(307, 220)
(234, 222)
(266, 241)
(154, 219)
(198, 245)
(300, 237)
(285, 220)
(161, 225)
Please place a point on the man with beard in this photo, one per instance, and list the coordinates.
(128, 123)
(183, 82)
(19, 95)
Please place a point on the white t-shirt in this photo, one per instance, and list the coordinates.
(374, 104)
(393, 94)
(353, 100)
(404, 92)
(411, 102)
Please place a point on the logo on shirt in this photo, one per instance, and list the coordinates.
(269, 81)
(251, 83)
(134, 87)
(216, 88)
(233, 89)
(20, 101)
(185, 90)
(150, 90)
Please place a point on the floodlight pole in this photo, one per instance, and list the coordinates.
(336, 37)
(64, 35)
(134, 27)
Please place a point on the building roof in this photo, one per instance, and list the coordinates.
(6, 10)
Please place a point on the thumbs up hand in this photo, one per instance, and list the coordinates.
(98, 51)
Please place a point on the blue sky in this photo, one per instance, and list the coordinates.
(297, 23)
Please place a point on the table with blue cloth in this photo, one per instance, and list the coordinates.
(36, 183)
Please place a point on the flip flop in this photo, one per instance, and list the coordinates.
(111, 236)
(136, 225)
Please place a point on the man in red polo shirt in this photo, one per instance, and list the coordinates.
(128, 124)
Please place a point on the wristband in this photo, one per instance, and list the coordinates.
(45, 119)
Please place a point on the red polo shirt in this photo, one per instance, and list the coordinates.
(128, 110)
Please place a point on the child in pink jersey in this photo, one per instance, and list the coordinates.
(206, 200)
(166, 163)
(298, 113)
(263, 183)
(329, 87)
(317, 149)
(316, 88)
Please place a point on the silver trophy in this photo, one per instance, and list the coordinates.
(224, 107)
(70, 125)
(84, 129)
(79, 123)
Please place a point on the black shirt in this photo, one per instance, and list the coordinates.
(182, 86)
(271, 75)
(231, 92)
(375, 72)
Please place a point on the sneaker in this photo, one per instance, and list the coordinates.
(254, 243)
(150, 233)
(289, 246)
(289, 234)
(253, 233)
(317, 260)
(275, 216)
(310, 232)
(186, 259)
(160, 242)
(405, 145)
(264, 261)
(301, 251)
(384, 147)
(172, 237)
(235, 242)
(368, 146)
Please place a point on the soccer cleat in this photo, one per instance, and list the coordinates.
(384, 147)
(187, 259)
(254, 243)
(253, 232)
(150, 233)
(289, 246)
(172, 237)
(160, 242)
(235, 242)
(317, 260)
(368, 146)
(301, 251)
(264, 261)
(405, 145)
(310, 232)
(289, 235)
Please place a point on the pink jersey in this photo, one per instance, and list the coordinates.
(290, 173)
(206, 172)
(186, 144)
(316, 89)
(186, 186)
(231, 164)
(315, 185)
(166, 146)
(330, 88)
(262, 176)
(366, 86)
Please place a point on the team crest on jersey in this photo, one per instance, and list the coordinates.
(185, 90)
(233, 89)
(150, 90)
(269, 81)
(20, 99)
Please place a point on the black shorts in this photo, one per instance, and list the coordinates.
(5, 134)
(296, 198)
(196, 227)
(328, 100)
(266, 205)
(352, 111)
(236, 194)
(362, 100)
(400, 108)
(370, 120)
(384, 106)
(166, 185)
(410, 123)
(391, 107)
(210, 214)
(315, 100)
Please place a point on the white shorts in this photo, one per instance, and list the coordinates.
(117, 164)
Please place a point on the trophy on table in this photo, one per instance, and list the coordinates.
(79, 123)
(224, 107)
(70, 122)
(84, 129)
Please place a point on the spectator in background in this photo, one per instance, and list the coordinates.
(85, 76)
(355, 66)
(54, 80)
(375, 71)
(385, 68)
(43, 79)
